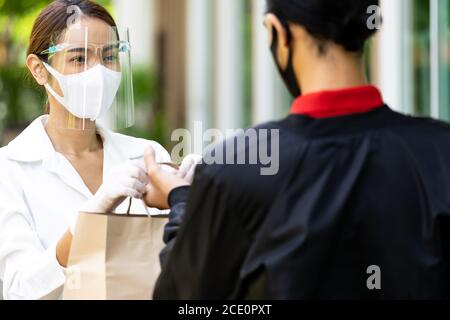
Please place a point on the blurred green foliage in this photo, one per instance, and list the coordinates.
(18, 7)
(20, 99)
(150, 124)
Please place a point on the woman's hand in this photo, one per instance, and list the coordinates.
(164, 180)
(128, 180)
(187, 168)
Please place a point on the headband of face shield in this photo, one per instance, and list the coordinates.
(90, 76)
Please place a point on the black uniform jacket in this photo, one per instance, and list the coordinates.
(359, 209)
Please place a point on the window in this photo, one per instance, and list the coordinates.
(441, 19)
(431, 58)
(414, 56)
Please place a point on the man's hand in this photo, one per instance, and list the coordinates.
(162, 182)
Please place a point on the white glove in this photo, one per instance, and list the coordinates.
(128, 180)
(188, 166)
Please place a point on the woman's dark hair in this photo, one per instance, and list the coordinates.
(344, 22)
(54, 20)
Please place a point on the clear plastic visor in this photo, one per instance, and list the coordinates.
(90, 77)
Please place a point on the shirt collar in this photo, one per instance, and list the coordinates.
(337, 103)
(33, 144)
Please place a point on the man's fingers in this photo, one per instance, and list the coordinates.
(150, 161)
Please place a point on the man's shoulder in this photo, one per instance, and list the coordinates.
(248, 159)
(419, 130)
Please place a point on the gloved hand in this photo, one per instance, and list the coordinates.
(187, 168)
(128, 180)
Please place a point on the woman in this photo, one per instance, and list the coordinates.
(64, 162)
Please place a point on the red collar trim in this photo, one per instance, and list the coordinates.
(329, 104)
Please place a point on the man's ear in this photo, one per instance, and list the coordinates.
(37, 69)
(272, 24)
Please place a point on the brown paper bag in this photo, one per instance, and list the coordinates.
(114, 257)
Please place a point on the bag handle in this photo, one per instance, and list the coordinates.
(129, 206)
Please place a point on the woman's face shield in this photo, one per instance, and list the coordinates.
(90, 76)
(80, 57)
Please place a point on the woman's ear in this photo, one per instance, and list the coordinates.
(273, 24)
(37, 69)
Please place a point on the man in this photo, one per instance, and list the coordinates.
(360, 205)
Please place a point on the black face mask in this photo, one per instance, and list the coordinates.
(288, 74)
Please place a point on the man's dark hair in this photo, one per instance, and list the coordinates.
(344, 22)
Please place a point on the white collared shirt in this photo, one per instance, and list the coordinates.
(39, 193)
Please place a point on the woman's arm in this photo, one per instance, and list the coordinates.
(28, 270)
(63, 249)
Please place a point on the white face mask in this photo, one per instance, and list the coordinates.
(89, 94)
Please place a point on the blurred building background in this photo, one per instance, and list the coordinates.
(209, 61)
